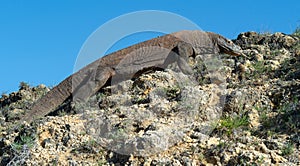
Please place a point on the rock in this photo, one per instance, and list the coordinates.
(263, 148)
(289, 41)
(297, 52)
(276, 158)
(212, 141)
(254, 118)
(274, 64)
(258, 57)
(272, 41)
(42, 86)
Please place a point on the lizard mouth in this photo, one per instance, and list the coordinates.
(233, 50)
(235, 53)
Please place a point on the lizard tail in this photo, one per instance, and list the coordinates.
(49, 101)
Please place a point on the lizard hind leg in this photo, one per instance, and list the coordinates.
(96, 80)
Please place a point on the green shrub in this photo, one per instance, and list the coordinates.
(231, 123)
(24, 141)
(287, 149)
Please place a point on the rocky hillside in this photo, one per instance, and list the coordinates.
(238, 111)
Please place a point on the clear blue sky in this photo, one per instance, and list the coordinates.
(40, 40)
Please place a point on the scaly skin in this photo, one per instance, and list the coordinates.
(157, 52)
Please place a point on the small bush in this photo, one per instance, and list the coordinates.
(24, 85)
(231, 123)
(260, 69)
(24, 141)
(288, 149)
(297, 31)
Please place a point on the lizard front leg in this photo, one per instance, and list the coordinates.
(95, 81)
(184, 50)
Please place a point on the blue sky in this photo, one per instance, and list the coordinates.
(40, 40)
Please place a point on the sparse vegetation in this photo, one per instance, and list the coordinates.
(287, 149)
(260, 69)
(24, 85)
(142, 99)
(172, 92)
(101, 162)
(297, 31)
(27, 141)
(282, 118)
(231, 123)
(4, 94)
(275, 52)
(92, 143)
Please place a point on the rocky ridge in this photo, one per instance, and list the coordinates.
(246, 114)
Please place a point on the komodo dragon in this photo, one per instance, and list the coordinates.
(157, 52)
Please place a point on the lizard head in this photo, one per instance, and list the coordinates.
(225, 45)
